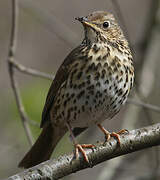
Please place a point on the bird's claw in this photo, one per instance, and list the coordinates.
(79, 147)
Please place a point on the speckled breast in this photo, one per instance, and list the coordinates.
(95, 89)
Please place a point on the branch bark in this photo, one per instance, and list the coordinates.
(132, 141)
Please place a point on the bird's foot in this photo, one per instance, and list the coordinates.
(79, 147)
(117, 135)
(108, 135)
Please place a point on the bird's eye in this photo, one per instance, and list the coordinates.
(106, 24)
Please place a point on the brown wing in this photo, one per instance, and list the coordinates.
(61, 76)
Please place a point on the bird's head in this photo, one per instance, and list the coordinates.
(101, 26)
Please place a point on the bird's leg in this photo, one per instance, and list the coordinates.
(79, 147)
(106, 133)
(113, 134)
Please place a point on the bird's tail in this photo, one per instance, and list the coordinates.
(43, 147)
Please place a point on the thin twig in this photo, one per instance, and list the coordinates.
(14, 83)
(34, 123)
(144, 105)
(117, 9)
(31, 71)
(21, 110)
(50, 21)
(57, 168)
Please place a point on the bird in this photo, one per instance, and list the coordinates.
(90, 86)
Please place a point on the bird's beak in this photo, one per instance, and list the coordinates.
(85, 22)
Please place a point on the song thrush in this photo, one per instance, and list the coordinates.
(90, 86)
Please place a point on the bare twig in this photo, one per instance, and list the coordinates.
(31, 71)
(133, 141)
(144, 105)
(34, 123)
(50, 21)
(117, 9)
(10, 58)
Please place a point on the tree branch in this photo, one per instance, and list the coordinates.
(14, 84)
(144, 105)
(117, 9)
(57, 168)
(30, 71)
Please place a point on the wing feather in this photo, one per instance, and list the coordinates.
(61, 76)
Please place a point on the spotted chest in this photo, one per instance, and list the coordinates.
(95, 89)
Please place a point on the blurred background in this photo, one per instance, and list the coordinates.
(47, 32)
